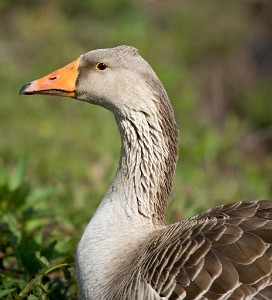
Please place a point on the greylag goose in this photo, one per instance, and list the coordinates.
(126, 251)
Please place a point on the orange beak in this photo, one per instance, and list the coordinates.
(59, 83)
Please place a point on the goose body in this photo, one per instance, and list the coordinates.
(126, 251)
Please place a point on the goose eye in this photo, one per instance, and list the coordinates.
(101, 66)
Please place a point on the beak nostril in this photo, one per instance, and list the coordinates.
(53, 78)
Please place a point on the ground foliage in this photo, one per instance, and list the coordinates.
(57, 157)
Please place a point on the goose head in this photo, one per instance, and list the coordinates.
(118, 79)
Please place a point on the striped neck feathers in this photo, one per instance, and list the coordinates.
(148, 157)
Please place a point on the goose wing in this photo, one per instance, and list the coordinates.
(224, 253)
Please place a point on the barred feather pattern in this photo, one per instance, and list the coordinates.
(224, 253)
(149, 150)
(149, 158)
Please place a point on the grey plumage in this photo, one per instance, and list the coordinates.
(126, 251)
(224, 253)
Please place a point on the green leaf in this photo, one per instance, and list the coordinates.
(26, 250)
(19, 196)
(42, 260)
(49, 250)
(6, 292)
(17, 176)
(32, 297)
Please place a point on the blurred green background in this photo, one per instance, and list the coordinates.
(215, 61)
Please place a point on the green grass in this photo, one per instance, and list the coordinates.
(58, 157)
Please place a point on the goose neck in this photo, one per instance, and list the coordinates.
(147, 163)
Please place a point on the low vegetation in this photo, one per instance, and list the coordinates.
(57, 157)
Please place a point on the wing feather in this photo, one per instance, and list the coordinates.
(223, 253)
